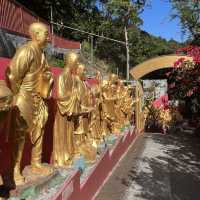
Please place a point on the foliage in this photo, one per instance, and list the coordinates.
(185, 79)
(55, 62)
(107, 18)
(188, 11)
(151, 115)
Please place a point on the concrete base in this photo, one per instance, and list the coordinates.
(32, 189)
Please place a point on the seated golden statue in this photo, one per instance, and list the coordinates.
(68, 106)
(30, 81)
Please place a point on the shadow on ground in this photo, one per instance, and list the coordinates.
(174, 174)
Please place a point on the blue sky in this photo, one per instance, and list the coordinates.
(157, 21)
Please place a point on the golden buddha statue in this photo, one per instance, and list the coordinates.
(83, 137)
(30, 81)
(68, 106)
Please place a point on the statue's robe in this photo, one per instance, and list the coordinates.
(108, 106)
(96, 115)
(68, 105)
(129, 106)
(31, 82)
(83, 135)
(85, 104)
(124, 106)
(120, 106)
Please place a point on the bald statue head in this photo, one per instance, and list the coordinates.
(104, 83)
(39, 33)
(120, 83)
(81, 70)
(113, 78)
(71, 59)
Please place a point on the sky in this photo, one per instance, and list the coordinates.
(157, 21)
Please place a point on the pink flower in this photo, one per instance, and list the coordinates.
(190, 50)
(195, 88)
(179, 77)
(196, 59)
(185, 81)
(176, 64)
(179, 61)
(168, 73)
(172, 85)
(189, 93)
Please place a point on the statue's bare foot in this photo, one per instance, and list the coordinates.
(18, 178)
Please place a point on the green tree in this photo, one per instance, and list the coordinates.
(107, 18)
(188, 11)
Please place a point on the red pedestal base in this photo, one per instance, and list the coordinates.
(73, 190)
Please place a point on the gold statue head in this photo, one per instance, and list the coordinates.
(39, 33)
(113, 78)
(71, 59)
(120, 83)
(81, 70)
(104, 83)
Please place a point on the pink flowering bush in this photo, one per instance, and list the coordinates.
(184, 79)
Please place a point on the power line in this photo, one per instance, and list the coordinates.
(86, 32)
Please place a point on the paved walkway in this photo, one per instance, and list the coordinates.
(157, 167)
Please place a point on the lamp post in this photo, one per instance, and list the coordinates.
(127, 54)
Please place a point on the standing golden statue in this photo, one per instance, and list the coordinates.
(124, 104)
(129, 104)
(83, 137)
(31, 81)
(68, 106)
(120, 103)
(96, 115)
(110, 124)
